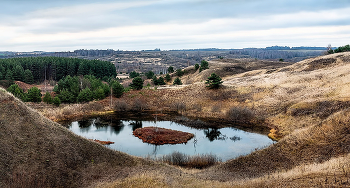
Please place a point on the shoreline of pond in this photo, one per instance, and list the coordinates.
(119, 129)
(189, 121)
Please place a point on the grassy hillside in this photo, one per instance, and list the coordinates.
(35, 151)
(306, 105)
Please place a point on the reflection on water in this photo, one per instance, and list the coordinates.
(135, 125)
(212, 134)
(225, 143)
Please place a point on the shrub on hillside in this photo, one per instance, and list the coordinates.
(204, 65)
(17, 92)
(85, 95)
(149, 74)
(98, 94)
(117, 89)
(34, 95)
(179, 72)
(120, 106)
(179, 106)
(56, 101)
(137, 83)
(47, 98)
(139, 105)
(171, 69)
(177, 81)
(240, 114)
(196, 66)
(345, 48)
(197, 161)
(134, 74)
(213, 81)
(167, 78)
(93, 106)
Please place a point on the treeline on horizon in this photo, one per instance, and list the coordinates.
(36, 69)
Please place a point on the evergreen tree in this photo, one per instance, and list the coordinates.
(9, 75)
(99, 94)
(177, 81)
(137, 83)
(342, 49)
(56, 101)
(106, 89)
(155, 80)
(196, 66)
(167, 78)
(85, 95)
(66, 96)
(149, 74)
(214, 81)
(204, 65)
(28, 77)
(134, 74)
(171, 69)
(179, 72)
(18, 73)
(17, 91)
(117, 89)
(47, 98)
(34, 95)
(2, 70)
(161, 81)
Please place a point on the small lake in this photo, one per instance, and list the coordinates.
(225, 143)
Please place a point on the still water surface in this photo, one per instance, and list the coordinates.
(225, 143)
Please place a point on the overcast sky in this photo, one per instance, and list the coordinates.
(66, 25)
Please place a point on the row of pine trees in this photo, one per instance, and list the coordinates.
(36, 69)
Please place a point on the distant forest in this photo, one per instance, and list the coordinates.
(53, 68)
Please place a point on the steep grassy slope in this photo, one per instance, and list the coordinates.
(36, 152)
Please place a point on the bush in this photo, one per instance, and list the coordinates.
(99, 94)
(139, 105)
(85, 95)
(197, 161)
(66, 96)
(93, 106)
(177, 81)
(17, 92)
(345, 48)
(171, 69)
(159, 81)
(117, 89)
(196, 66)
(56, 101)
(214, 81)
(121, 106)
(180, 106)
(134, 74)
(167, 78)
(149, 74)
(47, 98)
(137, 83)
(34, 95)
(179, 72)
(240, 114)
(204, 65)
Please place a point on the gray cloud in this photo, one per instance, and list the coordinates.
(64, 17)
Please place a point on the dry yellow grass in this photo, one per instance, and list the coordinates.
(307, 102)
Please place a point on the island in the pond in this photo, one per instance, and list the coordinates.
(160, 136)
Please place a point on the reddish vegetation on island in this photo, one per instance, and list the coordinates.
(103, 142)
(160, 136)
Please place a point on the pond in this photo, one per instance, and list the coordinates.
(225, 143)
